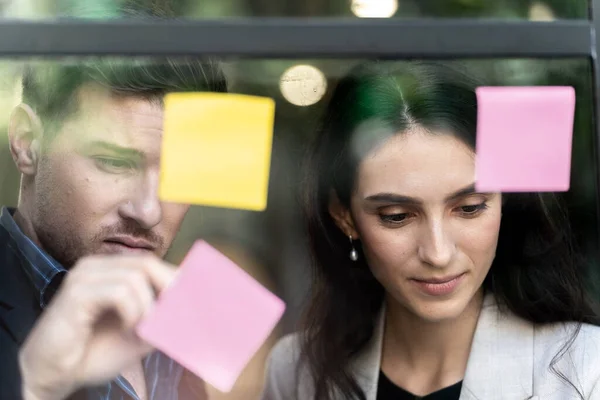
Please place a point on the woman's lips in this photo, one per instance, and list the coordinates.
(438, 286)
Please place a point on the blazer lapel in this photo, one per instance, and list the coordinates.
(500, 365)
(19, 308)
(366, 367)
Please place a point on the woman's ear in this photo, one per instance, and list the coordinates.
(24, 136)
(341, 215)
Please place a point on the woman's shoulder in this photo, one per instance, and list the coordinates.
(590, 334)
(571, 351)
(286, 352)
(283, 369)
(578, 344)
(577, 336)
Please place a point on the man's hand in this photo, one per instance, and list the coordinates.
(86, 335)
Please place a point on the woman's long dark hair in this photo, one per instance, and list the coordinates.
(535, 274)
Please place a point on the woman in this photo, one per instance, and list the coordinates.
(422, 285)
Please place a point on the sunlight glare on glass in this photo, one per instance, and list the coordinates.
(541, 12)
(374, 8)
(303, 85)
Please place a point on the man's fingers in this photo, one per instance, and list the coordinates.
(91, 322)
(120, 298)
(160, 273)
(137, 281)
(126, 285)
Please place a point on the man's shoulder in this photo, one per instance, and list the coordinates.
(18, 305)
(13, 276)
(9, 258)
(4, 239)
(10, 377)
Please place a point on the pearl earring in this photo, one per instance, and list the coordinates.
(353, 252)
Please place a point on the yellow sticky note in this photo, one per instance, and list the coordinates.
(216, 150)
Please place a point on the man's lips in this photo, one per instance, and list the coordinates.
(131, 242)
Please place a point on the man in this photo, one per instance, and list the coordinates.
(81, 255)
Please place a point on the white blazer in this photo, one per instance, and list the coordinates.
(510, 360)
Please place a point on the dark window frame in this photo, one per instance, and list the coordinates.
(286, 38)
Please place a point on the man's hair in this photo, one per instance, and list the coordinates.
(50, 88)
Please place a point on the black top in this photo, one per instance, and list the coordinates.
(388, 390)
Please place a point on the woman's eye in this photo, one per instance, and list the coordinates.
(394, 218)
(473, 209)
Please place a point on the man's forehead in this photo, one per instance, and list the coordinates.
(93, 98)
(103, 114)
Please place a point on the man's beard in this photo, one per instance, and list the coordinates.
(67, 249)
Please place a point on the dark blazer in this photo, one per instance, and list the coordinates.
(19, 309)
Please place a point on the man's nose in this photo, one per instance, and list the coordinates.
(143, 205)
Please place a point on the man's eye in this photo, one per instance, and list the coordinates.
(114, 163)
(394, 218)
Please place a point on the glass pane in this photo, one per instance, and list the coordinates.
(270, 245)
(539, 10)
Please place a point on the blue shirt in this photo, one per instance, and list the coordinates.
(162, 374)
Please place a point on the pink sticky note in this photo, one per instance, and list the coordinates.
(213, 318)
(524, 137)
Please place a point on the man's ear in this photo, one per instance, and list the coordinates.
(24, 136)
(341, 215)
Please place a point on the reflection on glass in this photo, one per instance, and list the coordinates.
(303, 85)
(540, 11)
(271, 245)
(199, 9)
(374, 8)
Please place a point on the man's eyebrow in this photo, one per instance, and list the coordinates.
(114, 148)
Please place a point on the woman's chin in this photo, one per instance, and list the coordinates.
(439, 309)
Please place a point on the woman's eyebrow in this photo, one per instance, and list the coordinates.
(465, 191)
(394, 198)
